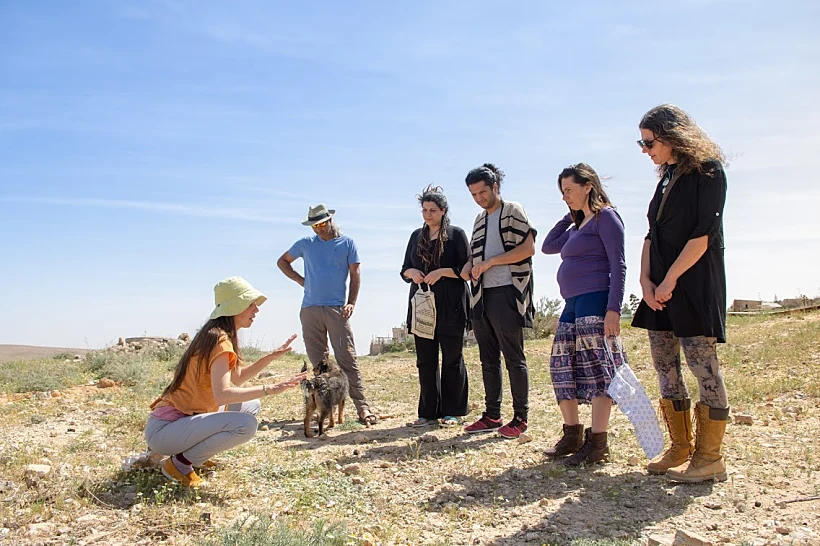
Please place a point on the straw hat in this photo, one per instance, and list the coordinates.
(318, 214)
(233, 295)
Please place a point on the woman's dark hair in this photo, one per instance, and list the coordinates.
(201, 346)
(582, 174)
(429, 251)
(691, 146)
(488, 173)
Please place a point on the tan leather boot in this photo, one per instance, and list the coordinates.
(678, 418)
(707, 461)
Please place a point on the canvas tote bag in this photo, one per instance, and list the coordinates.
(423, 315)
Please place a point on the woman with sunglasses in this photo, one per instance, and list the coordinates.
(586, 350)
(683, 281)
(435, 255)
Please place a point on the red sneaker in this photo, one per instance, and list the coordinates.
(513, 429)
(485, 424)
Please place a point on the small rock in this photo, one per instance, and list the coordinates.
(39, 471)
(758, 504)
(264, 426)
(105, 383)
(782, 530)
(77, 357)
(352, 469)
(429, 438)
(384, 464)
(524, 439)
(632, 460)
(712, 505)
(37, 529)
(358, 480)
(742, 419)
(688, 538)
(43, 395)
(360, 439)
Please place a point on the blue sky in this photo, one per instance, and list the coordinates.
(149, 149)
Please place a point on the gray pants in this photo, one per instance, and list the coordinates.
(701, 357)
(200, 437)
(321, 322)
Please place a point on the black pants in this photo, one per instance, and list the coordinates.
(500, 331)
(445, 393)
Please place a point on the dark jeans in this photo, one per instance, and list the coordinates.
(441, 393)
(500, 331)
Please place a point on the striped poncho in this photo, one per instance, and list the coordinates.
(514, 228)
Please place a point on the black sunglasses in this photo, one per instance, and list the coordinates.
(643, 143)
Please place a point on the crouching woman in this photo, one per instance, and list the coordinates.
(185, 422)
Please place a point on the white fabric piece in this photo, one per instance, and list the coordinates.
(627, 391)
(423, 316)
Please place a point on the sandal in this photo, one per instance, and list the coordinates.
(422, 422)
(368, 419)
(449, 421)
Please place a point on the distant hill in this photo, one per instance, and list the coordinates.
(29, 352)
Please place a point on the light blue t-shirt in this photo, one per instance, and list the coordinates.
(327, 264)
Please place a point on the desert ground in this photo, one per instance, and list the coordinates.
(77, 421)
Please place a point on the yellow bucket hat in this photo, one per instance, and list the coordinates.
(233, 295)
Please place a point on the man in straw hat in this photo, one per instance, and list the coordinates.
(329, 257)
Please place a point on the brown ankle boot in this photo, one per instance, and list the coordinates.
(707, 461)
(678, 418)
(594, 450)
(569, 443)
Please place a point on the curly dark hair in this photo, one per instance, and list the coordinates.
(583, 174)
(691, 146)
(429, 251)
(488, 173)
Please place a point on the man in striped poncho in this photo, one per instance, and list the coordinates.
(500, 276)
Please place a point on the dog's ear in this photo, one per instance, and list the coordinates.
(304, 366)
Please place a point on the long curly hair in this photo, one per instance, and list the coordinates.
(583, 174)
(691, 146)
(431, 251)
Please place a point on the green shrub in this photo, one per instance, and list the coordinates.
(545, 320)
(126, 368)
(260, 530)
(40, 375)
(408, 345)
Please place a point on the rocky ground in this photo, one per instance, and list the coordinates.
(62, 479)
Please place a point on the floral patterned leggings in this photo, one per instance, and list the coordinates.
(701, 357)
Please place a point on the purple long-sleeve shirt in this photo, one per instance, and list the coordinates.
(592, 258)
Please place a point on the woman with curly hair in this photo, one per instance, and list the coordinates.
(683, 281)
(435, 255)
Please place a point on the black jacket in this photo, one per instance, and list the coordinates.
(451, 294)
(694, 208)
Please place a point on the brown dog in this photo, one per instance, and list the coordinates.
(327, 390)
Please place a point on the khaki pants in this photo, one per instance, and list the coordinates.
(321, 322)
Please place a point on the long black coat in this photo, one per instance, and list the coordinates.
(451, 294)
(694, 208)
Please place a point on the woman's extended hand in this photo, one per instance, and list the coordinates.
(287, 383)
(283, 348)
(414, 275)
(612, 324)
(648, 291)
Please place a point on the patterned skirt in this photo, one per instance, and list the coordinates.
(583, 361)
